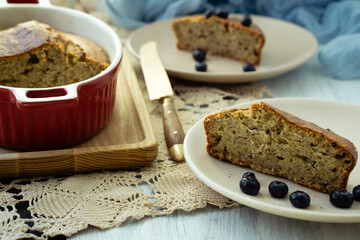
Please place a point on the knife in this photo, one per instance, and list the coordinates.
(159, 87)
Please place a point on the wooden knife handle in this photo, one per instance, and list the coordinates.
(174, 133)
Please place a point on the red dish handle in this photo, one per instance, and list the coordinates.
(44, 98)
(40, 2)
(23, 1)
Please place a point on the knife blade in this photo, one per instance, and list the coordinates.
(159, 87)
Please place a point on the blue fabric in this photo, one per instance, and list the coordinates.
(335, 23)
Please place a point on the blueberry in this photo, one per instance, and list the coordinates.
(248, 174)
(248, 67)
(246, 20)
(278, 189)
(300, 199)
(356, 193)
(222, 13)
(201, 67)
(209, 13)
(199, 55)
(341, 199)
(250, 185)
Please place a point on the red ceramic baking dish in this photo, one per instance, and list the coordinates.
(58, 117)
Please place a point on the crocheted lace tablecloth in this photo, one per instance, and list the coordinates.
(43, 207)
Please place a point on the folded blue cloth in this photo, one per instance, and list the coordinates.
(335, 23)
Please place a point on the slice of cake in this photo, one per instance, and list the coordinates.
(226, 37)
(34, 55)
(275, 142)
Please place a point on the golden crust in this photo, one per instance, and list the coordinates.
(234, 22)
(336, 140)
(25, 37)
(93, 51)
(33, 54)
(32, 35)
(340, 141)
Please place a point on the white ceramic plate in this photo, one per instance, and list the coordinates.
(224, 177)
(287, 46)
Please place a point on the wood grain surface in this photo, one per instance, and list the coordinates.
(128, 140)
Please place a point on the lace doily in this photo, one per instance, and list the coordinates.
(44, 207)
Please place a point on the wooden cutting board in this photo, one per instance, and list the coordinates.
(127, 141)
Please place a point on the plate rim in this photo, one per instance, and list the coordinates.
(292, 213)
(231, 77)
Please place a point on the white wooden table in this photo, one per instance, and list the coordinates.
(307, 81)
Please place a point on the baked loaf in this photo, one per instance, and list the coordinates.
(275, 142)
(226, 37)
(34, 55)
